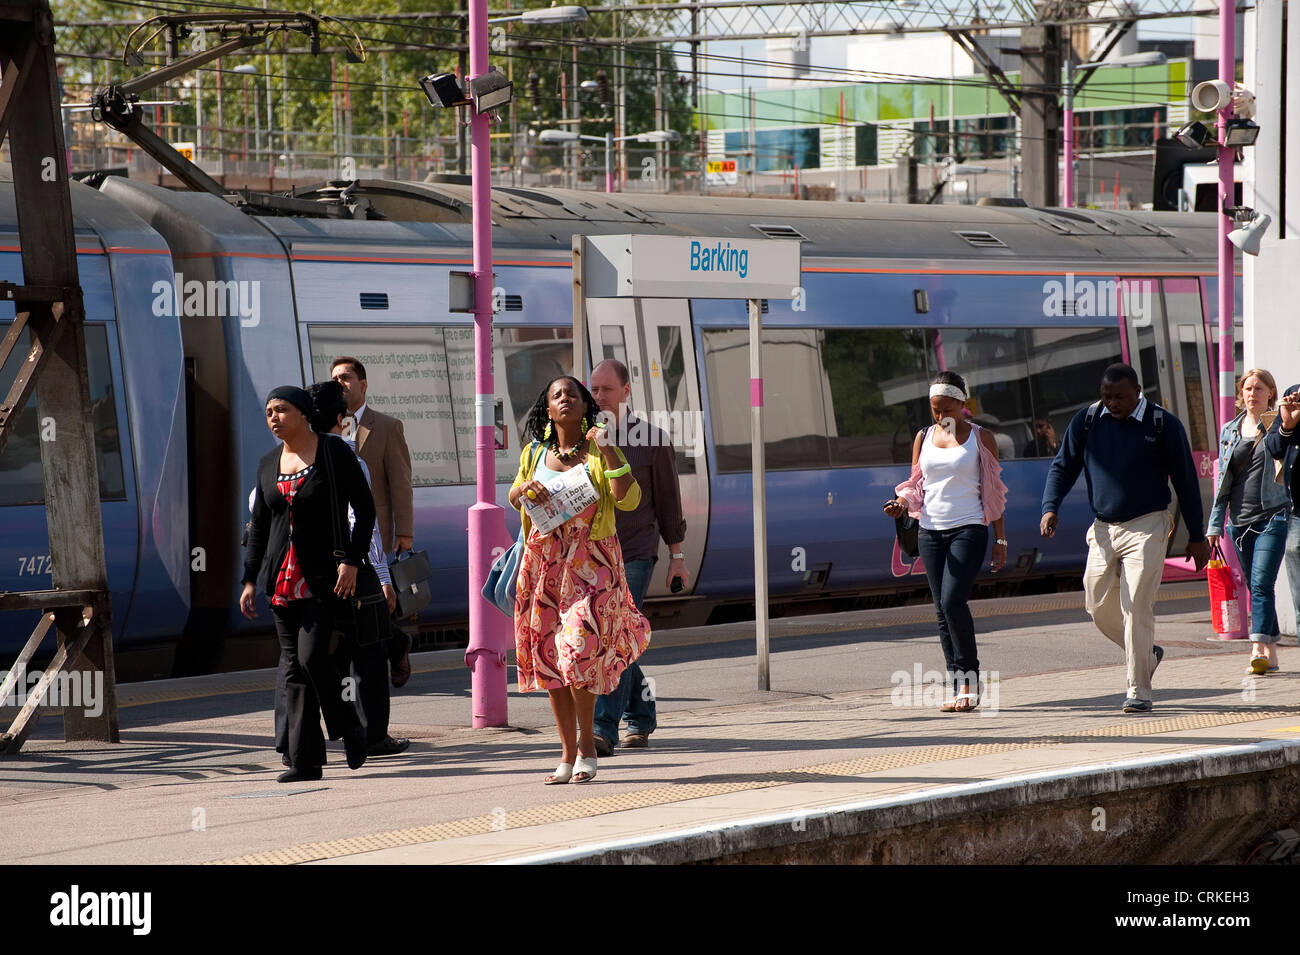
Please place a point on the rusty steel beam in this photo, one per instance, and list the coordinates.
(56, 368)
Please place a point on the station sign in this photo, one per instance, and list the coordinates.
(663, 266)
(185, 149)
(721, 172)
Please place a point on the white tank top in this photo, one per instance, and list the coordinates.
(952, 485)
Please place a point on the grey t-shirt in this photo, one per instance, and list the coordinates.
(1251, 465)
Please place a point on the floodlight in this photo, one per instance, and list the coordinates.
(1195, 135)
(490, 91)
(1240, 132)
(443, 89)
(1211, 96)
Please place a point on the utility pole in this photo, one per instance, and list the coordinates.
(1040, 113)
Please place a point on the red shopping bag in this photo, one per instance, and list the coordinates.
(1225, 601)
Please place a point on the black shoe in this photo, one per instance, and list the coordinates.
(286, 760)
(402, 670)
(1137, 706)
(1160, 655)
(603, 746)
(303, 774)
(354, 744)
(388, 747)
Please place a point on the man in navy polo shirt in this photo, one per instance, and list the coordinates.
(1129, 450)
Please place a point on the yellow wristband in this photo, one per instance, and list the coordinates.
(625, 469)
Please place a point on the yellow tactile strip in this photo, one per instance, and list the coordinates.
(663, 795)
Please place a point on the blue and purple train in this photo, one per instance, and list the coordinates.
(196, 309)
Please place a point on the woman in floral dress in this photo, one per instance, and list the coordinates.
(576, 627)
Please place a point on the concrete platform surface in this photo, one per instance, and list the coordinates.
(846, 724)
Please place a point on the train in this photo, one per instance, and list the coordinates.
(196, 308)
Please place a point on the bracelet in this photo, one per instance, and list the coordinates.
(1002, 542)
(677, 556)
(1285, 433)
(625, 469)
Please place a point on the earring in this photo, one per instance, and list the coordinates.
(584, 424)
(546, 435)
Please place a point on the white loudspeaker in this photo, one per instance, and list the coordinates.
(1211, 96)
(1248, 237)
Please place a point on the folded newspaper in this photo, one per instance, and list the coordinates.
(571, 494)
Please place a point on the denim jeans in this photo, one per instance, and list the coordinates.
(1260, 551)
(952, 561)
(632, 699)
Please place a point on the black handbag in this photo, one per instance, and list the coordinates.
(411, 573)
(907, 530)
(364, 615)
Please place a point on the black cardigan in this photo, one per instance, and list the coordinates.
(313, 528)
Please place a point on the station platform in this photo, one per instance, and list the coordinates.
(845, 759)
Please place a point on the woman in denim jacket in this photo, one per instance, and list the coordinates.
(1256, 507)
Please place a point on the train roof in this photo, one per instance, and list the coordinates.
(422, 214)
(542, 218)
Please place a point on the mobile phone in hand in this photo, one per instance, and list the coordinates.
(676, 586)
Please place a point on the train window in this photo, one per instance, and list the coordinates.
(995, 364)
(21, 473)
(1065, 368)
(675, 385)
(879, 385)
(795, 394)
(424, 375)
(407, 372)
(613, 344)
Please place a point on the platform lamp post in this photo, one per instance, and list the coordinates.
(1153, 58)
(609, 139)
(484, 91)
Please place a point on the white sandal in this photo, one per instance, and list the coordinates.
(563, 773)
(584, 767)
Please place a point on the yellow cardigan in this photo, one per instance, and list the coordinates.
(603, 525)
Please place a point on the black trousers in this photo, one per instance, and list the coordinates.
(367, 666)
(311, 682)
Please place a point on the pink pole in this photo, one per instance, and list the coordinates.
(609, 162)
(1227, 192)
(489, 632)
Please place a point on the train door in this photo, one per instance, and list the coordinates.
(653, 339)
(1190, 376)
(674, 388)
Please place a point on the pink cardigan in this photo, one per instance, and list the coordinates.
(993, 493)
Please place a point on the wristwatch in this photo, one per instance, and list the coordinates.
(677, 556)
(1002, 542)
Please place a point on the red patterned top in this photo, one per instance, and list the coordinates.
(290, 583)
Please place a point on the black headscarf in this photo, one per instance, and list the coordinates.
(294, 395)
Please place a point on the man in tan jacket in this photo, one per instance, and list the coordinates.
(381, 443)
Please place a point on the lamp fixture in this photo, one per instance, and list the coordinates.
(443, 89)
(1195, 135)
(1240, 132)
(490, 90)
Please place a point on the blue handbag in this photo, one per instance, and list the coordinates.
(499, 588)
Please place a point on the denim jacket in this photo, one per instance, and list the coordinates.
(1272, 494)
(1284, 449)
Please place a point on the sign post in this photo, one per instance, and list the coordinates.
(689, 267)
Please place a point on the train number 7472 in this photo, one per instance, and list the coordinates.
(36, 564)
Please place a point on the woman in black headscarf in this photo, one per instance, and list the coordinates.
(299, 523)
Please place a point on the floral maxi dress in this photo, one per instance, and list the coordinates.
(575, 622)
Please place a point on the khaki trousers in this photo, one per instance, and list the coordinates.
(1125, 564)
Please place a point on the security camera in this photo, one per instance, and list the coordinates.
(1211, 96)
(1248, 235)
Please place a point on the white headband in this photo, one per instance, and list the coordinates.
(948, 391)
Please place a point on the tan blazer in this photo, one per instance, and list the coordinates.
(381, 443)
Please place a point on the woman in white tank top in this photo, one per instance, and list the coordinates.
(956, 491)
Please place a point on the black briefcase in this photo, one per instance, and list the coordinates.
(411, 573)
